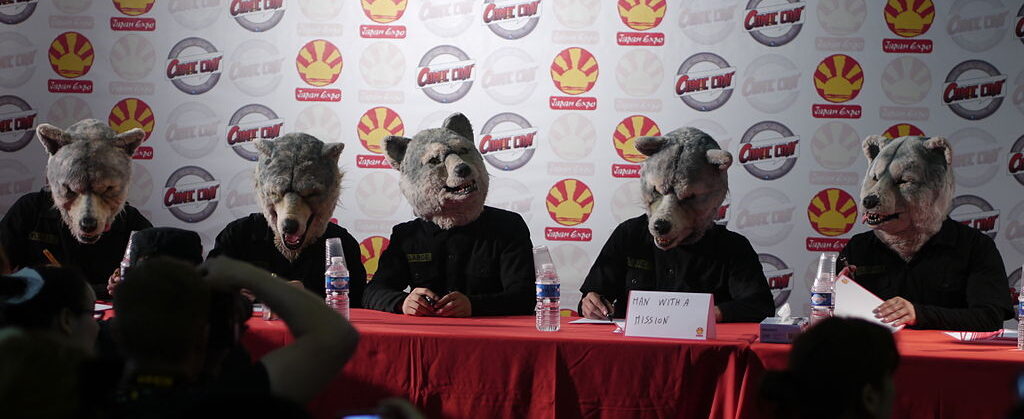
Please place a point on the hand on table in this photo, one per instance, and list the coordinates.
(455, 304)
(897, 311)
(416, 304)
(112, 282)
(595, 307)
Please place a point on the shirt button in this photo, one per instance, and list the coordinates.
(671, 271)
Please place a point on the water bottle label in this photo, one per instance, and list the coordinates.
(1020, 310)
(336, 283)
(548, 291)
(821, 299)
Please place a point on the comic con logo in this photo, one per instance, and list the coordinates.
(15, 181)
(832, 212)
(768, 150)
(447, 18)
(17, 59)
(508, 141)
(132, 113)
(511, 19)
(194, 65)
(570, 202)
(974, 89)
(776, 24)
(574, 71)
(257, 15)
(190, 194)
(376, 124)
(241, 198)
(134, 7)
(249, 123)
(370, 250)
(974, 211)
(903, 130)
(71, 55)
(17, 123)
(132, 57)
(1015, 166)
(978, 25)
(445, 73)
(705, 81)
(384, 11)
(512, 195)
(771, 83)
(906, 80)
(626, 133)
(641, 15)
(765, 216)
(708, 21)
(838, 78)
(1018, 28)
(779, 276)
(1014, 232)
(909, 18)
(842, 17)
(255, 67)
(193, 129)
(319, 63)
(835, 145)
(509, 76)
(978, 156)
(16, 11)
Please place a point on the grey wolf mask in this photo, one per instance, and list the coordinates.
(907, 191)
(297, 185)
(683, 182)
(88, 173)
(443, 174)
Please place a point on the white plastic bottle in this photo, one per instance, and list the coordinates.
(1020, 315)
(548, 294)
(336, 278)
(126, 260)
(822, 302)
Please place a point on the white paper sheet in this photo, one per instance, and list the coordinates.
(1007, 335)
(103, 307)
(591, 321)
(852, 300)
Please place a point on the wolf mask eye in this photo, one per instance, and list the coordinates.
(434, 160)
(68, 193)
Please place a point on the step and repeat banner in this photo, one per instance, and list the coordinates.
(557, 91)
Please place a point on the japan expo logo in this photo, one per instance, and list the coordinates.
(14, 12)
(838, 78)
(835, 145)
(134, 7)
(132, 113)
(370, 250)
(626, 133)
(574, 71)
(641, 15)
(909, 18)
(384, 11)
(71, 55)
(903, 130)
(376, 124)
(319, 63)
(132, 57)
(906, 80)
(832, 212)
(842, 17)
(570, 202)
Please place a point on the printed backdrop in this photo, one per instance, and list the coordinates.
(557, 90)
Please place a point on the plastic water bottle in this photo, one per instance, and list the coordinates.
(336, 278)
(548, 294)
(1020, 315)
(822, 302)
(126, 261)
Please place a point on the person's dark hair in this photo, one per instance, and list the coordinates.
(167, 241)
(62, 288)
(41, 377)
(162, 310)
(829, 365)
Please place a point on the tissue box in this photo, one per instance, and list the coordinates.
(782, 330)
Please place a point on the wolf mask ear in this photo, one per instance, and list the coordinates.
(394, 149)
(720, 158)
(52, 138)
(332, 151)
(129, 140)
(940, 145)
(873, 145)
(649, 145)
(460, 124)
(264, 147)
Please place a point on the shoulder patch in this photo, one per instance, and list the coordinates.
(419, 257)
(43, 237)
(637, 263)
(870, 270)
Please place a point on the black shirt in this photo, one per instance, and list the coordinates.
(722, 263)
(250, 239)
(489, 260)
(957, 280)
(33, 224)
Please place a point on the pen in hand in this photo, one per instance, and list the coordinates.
(611, 308)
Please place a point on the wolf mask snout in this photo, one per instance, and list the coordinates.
(662, 227)
(870, 201)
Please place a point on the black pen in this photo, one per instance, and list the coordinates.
(609, 314)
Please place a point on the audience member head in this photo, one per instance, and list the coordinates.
(162, 310)
(53, 300)
(40, 377)
(181, 244)
(5, 265)
(839, 368)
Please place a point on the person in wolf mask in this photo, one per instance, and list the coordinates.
(80, 218)
(459, 257)
(297, 185)
(932, 272)
(676, 246)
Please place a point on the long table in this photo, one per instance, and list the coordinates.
(502, 367)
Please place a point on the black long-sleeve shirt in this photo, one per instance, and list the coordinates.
(33, 224)
(722, 263)
(489, 260)
(250, 239)
(957, 280)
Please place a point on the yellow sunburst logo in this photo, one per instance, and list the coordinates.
(376, 124)
(626, 134)
(370, 250)
(134, 7)
(132, 113)
(641, 15)
(384, 11)
(903, 130)
(838, 78)
(71, 55)
(319, 63)
(832, 212)
(909, 18)
(574, 71)
(570, 202)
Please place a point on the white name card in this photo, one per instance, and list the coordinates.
(674, 315)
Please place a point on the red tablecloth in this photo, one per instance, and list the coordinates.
(502, 367)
